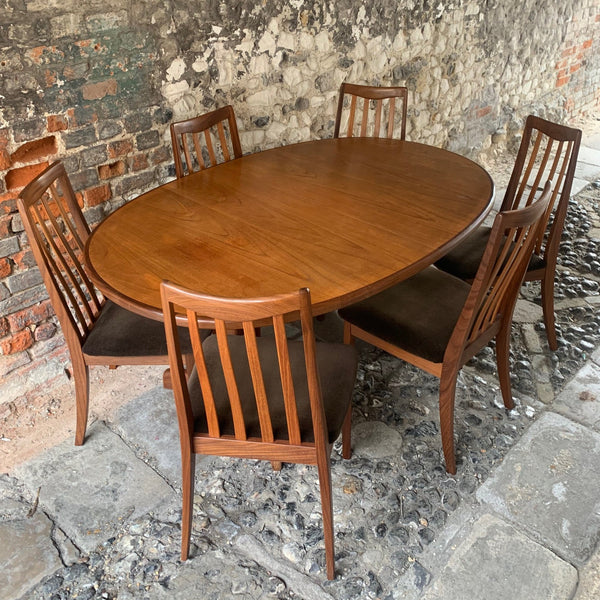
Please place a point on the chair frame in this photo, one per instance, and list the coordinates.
(369, 93)
(561, 171)
(231, 315)
(75, 300)
(203, 124)
(487, 313)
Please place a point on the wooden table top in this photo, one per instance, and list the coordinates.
(345, 217)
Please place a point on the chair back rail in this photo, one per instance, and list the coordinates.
(228, 314)
(548, 151)
(205, 141)
(57, 233)
(500, 274)
(375, 115)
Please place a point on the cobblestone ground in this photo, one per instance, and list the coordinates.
(257, 534)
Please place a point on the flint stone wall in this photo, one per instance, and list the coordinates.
(96, 84)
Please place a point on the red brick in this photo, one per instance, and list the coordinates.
(4, 159)
(139, 162)
(5, 222)
(97, 195)
(24, 259)
(568, 51)
(8, 203)
(120, 148)
(19, 178)
(95, 91)
(44, 332)
(17, 343)
(29, 316)
(160, 155)
(4, 329)
(560, 81)
(5, 270)
(587, 44)
(56, 123)
(575, 68)
(111, 170)
(35, 150)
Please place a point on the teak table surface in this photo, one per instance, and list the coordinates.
(345, 217)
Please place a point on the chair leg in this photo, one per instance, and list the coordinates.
(502, 354)
(276, 464)
(347, 434)
(188, 472)
(81, 375)
(447, 394)
(324, 468)
(548, 308)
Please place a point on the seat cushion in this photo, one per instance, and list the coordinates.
(120, 332)
(464, 260)
(417, 315)
(337, 365)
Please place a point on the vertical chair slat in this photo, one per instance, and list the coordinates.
(392, 112)
(365, 118)
(378, 108)
(527, 173)
(198, 150)
(262, 406)
(351, 116)
(222, 138)
(209, 146)
(289, 395)
(210, 409)
(239, 425)
(58, 267)
(540, 171)
(89, 294)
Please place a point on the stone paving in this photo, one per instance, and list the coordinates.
(520, 520)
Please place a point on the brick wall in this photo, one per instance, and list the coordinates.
(96, 84)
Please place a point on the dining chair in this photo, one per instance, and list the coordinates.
(264, 398)
(219, 142)
(437, 322)
(97, 331)
(378, 117)
(547, 151)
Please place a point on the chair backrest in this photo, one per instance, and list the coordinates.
(383, 111)
(548, 151)
(205, 141)
(229, 316)
(498, 280)
(57, 233)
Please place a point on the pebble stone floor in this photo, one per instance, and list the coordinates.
(257, 533)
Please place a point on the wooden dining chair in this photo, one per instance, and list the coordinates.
(379, 114)
(437, 322)
(265, 398)
(547, 151)
(205, 141)
(97, 331)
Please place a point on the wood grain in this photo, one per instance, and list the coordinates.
(343, 217)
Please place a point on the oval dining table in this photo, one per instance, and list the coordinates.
(346, 218)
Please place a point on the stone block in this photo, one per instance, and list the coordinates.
(84, 179)
(82, 137)
(137, 122)
(26, 298)
(28, 130)
(148, 139)
(27, 554)
(134, 183)
(109, 129)
(93, 156)
(497, 561)
(103, 469)
(23, 281)
(9, 246)
(548, 485)
(580, 399)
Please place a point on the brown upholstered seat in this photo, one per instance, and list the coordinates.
(383, 112)
(437, 321)
(334, 363)
(219, 142)
(264, 398)
(547, 151)
(97, 332)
